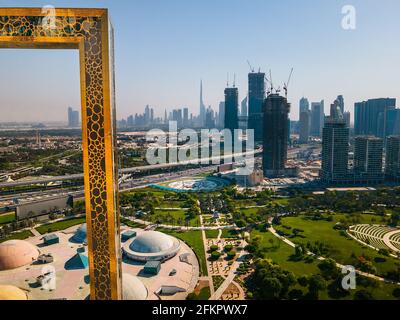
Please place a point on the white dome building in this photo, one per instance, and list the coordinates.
(133, 288)
(151, 246)
(17, 253)
(12, 293)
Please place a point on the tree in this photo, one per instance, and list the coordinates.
(363, 295)
(215, 255)
(316, 283)
(366, 265)
(240, 223)
(396, 293)
(228, 247)
(295, 294)
(272, 288)
(270, 281)
(299, 251)
(214, 248)
(328, 269)
(231, 254)
(384, 252)
(395, 219)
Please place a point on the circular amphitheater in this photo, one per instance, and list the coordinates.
(194, 185)
(378, 237)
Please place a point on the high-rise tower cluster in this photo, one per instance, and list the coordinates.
(375, 124)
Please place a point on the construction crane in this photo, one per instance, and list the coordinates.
(272, 84)
(286, 85)
(251, 68)
(267, 81)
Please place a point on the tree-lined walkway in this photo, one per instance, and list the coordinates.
(204, 238)
(230, 278)
(167, 226)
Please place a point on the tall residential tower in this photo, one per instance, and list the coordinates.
(231, 109)
(368, 156)
(255, 103)
(335, 151)
(276, 135)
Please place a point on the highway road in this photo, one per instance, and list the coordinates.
(122, 171)
(124, 186)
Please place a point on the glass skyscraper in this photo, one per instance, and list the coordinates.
(255, 102)
(231, 109)
(276, 135)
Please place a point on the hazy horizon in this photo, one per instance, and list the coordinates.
(163, 49)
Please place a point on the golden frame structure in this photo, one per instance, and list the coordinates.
(89, 31)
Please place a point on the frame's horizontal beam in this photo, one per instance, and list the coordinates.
(65, 12)
(40, 42)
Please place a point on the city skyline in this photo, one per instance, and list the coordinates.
(206, 47)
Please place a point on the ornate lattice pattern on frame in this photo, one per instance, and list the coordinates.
(89, 33)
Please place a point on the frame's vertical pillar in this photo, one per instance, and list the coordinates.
(101, 172)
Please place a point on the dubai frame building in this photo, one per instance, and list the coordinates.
(90, 32)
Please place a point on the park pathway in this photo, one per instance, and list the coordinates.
(167, 226)
(204, 238)
(35, 232)
(229, 279)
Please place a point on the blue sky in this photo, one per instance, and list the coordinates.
(164, 48)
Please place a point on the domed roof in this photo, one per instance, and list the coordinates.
(133, 288)
(80, 234)
(12, 293)
(17, 253)
(152, 242)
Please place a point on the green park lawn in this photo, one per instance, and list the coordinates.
(280, 253)
(226, 234)
(60, 225)
(229, 234)
(162, 215)
(211, 234)
(281, 201)
(194, 240)
(171, 204)
(154, 191)
(245, 203)
(132, 224)
(249, 211)
(204, 294)
(7, 218)
(159, 194)
(342, 247)
(21, 235)
(217, 281)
